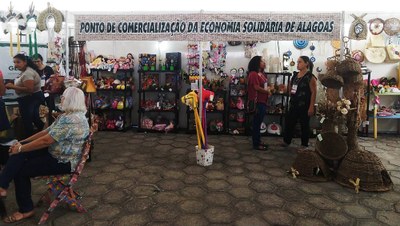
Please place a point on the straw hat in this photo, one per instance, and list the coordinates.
(375, 55)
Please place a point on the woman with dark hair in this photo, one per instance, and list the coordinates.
(258, 91)
(28, 89)
(303, 91)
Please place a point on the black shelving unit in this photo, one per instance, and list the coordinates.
(280, 97)
(364, 128)
(162, 89)
(108, 112)
(210, 115)
(237, 122)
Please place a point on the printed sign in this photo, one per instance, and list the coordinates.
(206, 27)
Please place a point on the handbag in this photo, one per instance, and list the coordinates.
(393, 52)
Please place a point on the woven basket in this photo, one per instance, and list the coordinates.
(311, 166)
(328, 125)
(367, 167)
(331, 80)
(355, 81)
(348, 67)
(332, 146)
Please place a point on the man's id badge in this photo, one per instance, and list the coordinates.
(294, 89)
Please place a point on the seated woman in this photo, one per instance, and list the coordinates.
(53, 151)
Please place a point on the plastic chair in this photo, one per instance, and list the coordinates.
(62, 191)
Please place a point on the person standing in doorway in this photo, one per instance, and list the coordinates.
(303, 91)
(30, 96)
(258, 90)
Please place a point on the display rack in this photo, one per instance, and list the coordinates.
(113, 102)
(158, 101)
(376, 117)
(237, 116)
(213, 115)
(365, 125)
(278, 102)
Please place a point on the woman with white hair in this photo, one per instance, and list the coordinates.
(55, 150)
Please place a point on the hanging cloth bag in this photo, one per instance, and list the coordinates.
(358, 29)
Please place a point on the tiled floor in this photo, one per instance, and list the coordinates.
(153, 179)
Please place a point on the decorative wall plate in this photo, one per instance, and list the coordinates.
(358, 55)
(300, 44)
(376, 26)
(392, 26)
(335, 44)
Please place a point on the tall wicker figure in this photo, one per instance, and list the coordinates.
(359, 169)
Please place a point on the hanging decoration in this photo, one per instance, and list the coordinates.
(392, 26)
(358, 28)
(376, 26)
(217, 58)
(312, 48)
(250, 49)
(48, 13)
(35, 44)
(18, 41)
(300, 44)
(7, 18)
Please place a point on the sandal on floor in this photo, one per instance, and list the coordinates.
(261, 147)
(17, 216)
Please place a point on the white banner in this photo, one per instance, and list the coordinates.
(209, 27)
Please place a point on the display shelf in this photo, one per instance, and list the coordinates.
(158, 110)
(157, 91)
(215, 115)
(147, 93)
(376, 117)
(112, 109)
(387, 94)
(275, 99)
(157, 131)
(114, 90)
(110, 114)
(275, 114)
(233, 124)
(397, 116)
(368, 96)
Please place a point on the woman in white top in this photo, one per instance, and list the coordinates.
(27, 86)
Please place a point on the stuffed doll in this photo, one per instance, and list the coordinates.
(120, 105)
(130, 59)
(114, 104)
(240, 103)
(170, 127)
(220, 104)
(111, 124)
(119, 123)
(219, 126)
